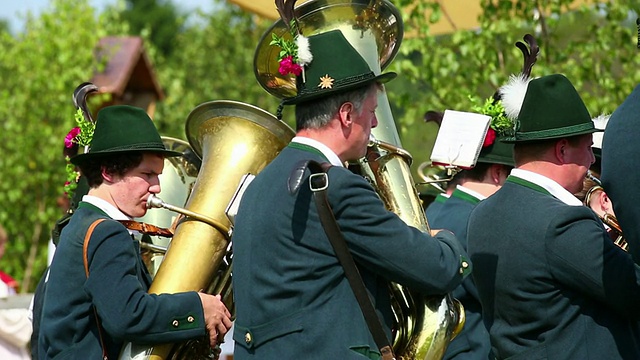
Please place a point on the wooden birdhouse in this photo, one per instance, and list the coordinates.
(128, 74)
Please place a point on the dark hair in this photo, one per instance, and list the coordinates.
(117, 164)
(317, 113)
(477, 173)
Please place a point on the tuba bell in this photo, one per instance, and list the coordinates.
(424, 326)
(232, 139)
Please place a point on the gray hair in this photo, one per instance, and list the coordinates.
(317, 113)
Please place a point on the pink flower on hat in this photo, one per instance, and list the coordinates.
(69, 140)
(287, 66)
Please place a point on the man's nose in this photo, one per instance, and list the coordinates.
(154, 189)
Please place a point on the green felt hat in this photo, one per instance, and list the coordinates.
(120, 129)
(336, 67)
(551, 109)
(497, 153)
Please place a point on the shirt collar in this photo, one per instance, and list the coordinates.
(468, 191)
(324, 149)
(105, 206)
(551, 186)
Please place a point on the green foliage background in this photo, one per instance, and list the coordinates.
(201, 57)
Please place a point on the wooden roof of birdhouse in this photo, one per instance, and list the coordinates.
(127, 67)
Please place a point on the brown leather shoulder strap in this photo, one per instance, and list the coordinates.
(85, 248)
(146, 228)
(319, 182)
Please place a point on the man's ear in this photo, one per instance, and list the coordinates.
(560, 150)
(498, 172)
(105, 175)
(345, 112)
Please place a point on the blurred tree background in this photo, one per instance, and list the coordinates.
(201, 57)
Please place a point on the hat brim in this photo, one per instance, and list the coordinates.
(382, 78)
(83, 158)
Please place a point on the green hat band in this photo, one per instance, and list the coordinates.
(572, 130)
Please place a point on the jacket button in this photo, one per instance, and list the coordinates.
(247, 338)
(175, 323)
(190, 319)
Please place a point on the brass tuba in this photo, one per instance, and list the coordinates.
(424, 326)
(232, 139)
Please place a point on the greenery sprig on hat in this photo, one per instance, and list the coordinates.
(500, 124)
(294, 55)
(80, 136)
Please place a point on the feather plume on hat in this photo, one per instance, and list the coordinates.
(512, 94)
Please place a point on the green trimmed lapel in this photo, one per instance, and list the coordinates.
(307, 148)
(86, 205)
(526, 183)
(457, 193)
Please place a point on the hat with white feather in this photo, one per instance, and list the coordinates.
(545, 108)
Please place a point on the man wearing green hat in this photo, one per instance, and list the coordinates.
(292, 298)
(96, 296)
(494, 163)
(551, 282)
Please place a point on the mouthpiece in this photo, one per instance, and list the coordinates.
(154, 202)
(593, 178)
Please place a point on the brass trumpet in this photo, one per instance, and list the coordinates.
(609, 219)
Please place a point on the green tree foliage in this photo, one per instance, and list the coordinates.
(594, 46)
(210, 57)
(161, 19)
(215, 62)
(40, 67)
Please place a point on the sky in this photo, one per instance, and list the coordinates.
(13, 9)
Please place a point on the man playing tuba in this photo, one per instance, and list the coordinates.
(96, 296)
(292, 298)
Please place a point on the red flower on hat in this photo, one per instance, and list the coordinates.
(287, 66)
(490, 138)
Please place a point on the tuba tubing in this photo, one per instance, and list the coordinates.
(424, 325)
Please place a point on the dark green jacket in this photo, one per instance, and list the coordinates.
(116, 287)
(551, 282)
(292, 298)
(473, 341)
(435, 206)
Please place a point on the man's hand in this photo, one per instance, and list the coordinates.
(434, 232)
(216, 316)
